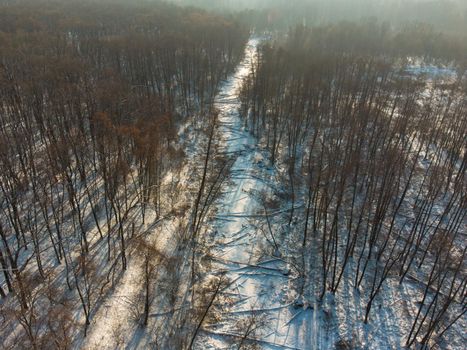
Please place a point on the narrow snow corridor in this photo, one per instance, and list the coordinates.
(259, 281)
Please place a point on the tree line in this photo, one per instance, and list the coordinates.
(374, 167)
(92, 98)
(449, 16)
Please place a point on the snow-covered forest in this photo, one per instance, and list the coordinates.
(233, 175)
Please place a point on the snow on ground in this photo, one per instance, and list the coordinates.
(260, 279)
(431, 71)
(263, 283)
(114, 322)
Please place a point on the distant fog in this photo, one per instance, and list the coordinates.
(450, 15)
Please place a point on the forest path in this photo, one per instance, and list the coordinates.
(261, 285)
